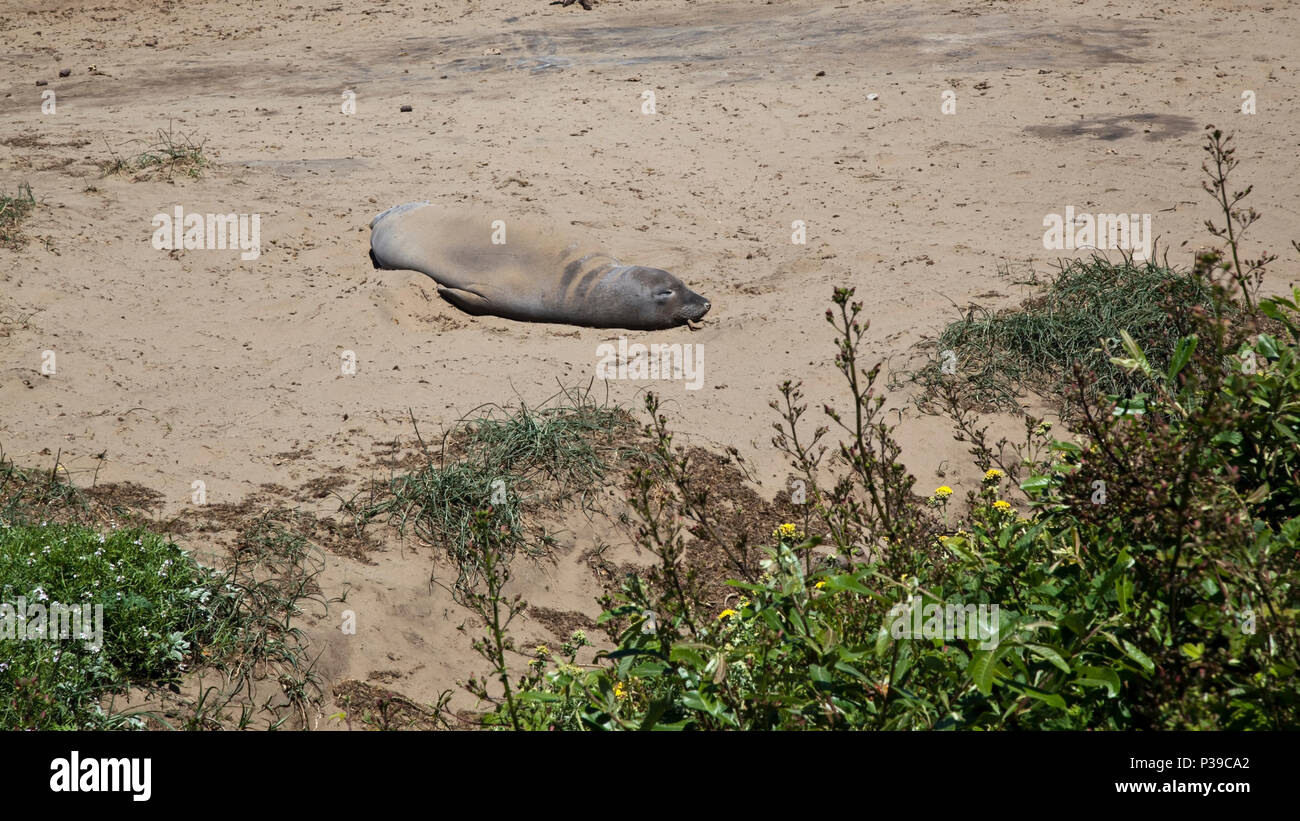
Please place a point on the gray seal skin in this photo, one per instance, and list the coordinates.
(536, 275)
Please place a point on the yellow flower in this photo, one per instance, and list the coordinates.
(543, 650)
(943, 491)
(992, 475)
(785, 531)
(726, 614)
(819, 585)
(744, 601)
(620, 692)
(1005, 507)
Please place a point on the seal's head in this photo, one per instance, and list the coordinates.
(664, 300)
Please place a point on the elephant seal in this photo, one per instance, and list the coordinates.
(517, 270)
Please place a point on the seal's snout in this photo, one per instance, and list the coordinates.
(695, 308)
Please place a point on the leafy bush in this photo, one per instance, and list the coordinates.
(1153, 585)
(145, 606)
(156, 625)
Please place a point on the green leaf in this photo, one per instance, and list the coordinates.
(1227, 437)
(1050, 654)
(1258, 495)
(1143, 660)
(953, 544)
(1124, 593)
(983, 667)
(1035, 484)
(1051, 699)
(1004, 536)
(1076, 623)
(845, 581)
(849, 669)
(1182, 353)
(773, 619)
(1133, 349)
(622, 610)
(538, 695)
(655, 712)
(648, 670)
(1267, 346)
(689, 654)
(695, 701)
(1122, 563)
(1099, 677)
(883, 638)
(1134, 406)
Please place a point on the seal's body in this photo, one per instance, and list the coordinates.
(517, 270)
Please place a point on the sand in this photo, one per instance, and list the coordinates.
(196, 365)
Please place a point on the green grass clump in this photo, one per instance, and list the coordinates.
(509, 458)
(14, 208)
(1077, 320)
(440, 501)
(163, 158)
(557, 441)
(157, 604)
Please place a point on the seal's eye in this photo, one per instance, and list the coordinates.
(664, 294)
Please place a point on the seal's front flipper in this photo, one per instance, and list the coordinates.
(468, 301)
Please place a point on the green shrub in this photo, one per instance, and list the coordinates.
(1153, 585)
(147, 606)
